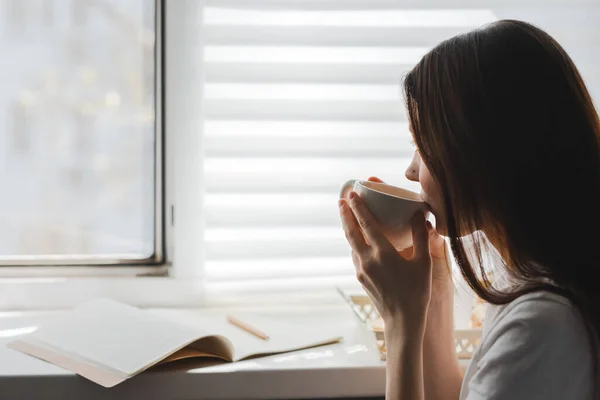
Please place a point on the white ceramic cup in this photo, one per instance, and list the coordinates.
(392, 207)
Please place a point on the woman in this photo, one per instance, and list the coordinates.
(508, 153)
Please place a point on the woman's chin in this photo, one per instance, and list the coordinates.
(440, 226)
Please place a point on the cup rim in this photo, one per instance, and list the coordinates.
(375, 184)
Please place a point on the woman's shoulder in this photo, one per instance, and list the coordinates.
(533, 309)
(536, 318)
(535, 347)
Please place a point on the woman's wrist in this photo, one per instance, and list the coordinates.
(441, 299)
(401, 332)
(399, 345)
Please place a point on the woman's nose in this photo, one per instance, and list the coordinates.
(412, 172)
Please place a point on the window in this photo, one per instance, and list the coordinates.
(299, 96)
(269, 106)
(77, 132)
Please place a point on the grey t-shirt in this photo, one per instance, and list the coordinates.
(536, 347)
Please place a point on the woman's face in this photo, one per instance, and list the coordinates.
(417, 172)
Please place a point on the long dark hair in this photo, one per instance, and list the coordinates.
(507, 128)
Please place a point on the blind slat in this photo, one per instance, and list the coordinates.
(269, 243)
(267, 146)
(271, 210)
(337, 129)
(292, 91)
(468, 18)
(301, 138)
(240, 72)
(314, 54)
(296, 174)
(332, 36)
(304, 110)
(284, 268)
(392, 4)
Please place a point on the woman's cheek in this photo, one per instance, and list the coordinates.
(431, 193)
(427, 184)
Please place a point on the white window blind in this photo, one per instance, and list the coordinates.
(300, 96)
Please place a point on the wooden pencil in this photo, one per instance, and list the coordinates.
(247, 327)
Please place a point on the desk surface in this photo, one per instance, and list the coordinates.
(349, 369)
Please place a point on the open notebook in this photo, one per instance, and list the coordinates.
(109, 342)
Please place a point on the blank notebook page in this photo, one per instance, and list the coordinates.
(114, 335)
(286, 332)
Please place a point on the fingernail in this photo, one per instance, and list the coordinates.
(340, 203)
(352, 195)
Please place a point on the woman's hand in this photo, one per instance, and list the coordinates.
(441, 373)
(400, 288)
(442, 284)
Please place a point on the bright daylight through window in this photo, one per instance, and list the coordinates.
(77, 131)
(270, 106)
(300, 96)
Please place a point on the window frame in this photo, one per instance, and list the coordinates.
(35, 265)
(176, 277)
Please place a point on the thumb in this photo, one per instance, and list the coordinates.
(420, 235)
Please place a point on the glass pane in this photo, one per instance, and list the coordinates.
(77, 128)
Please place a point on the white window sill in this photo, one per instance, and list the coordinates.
(50, 293)
(347, 370)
